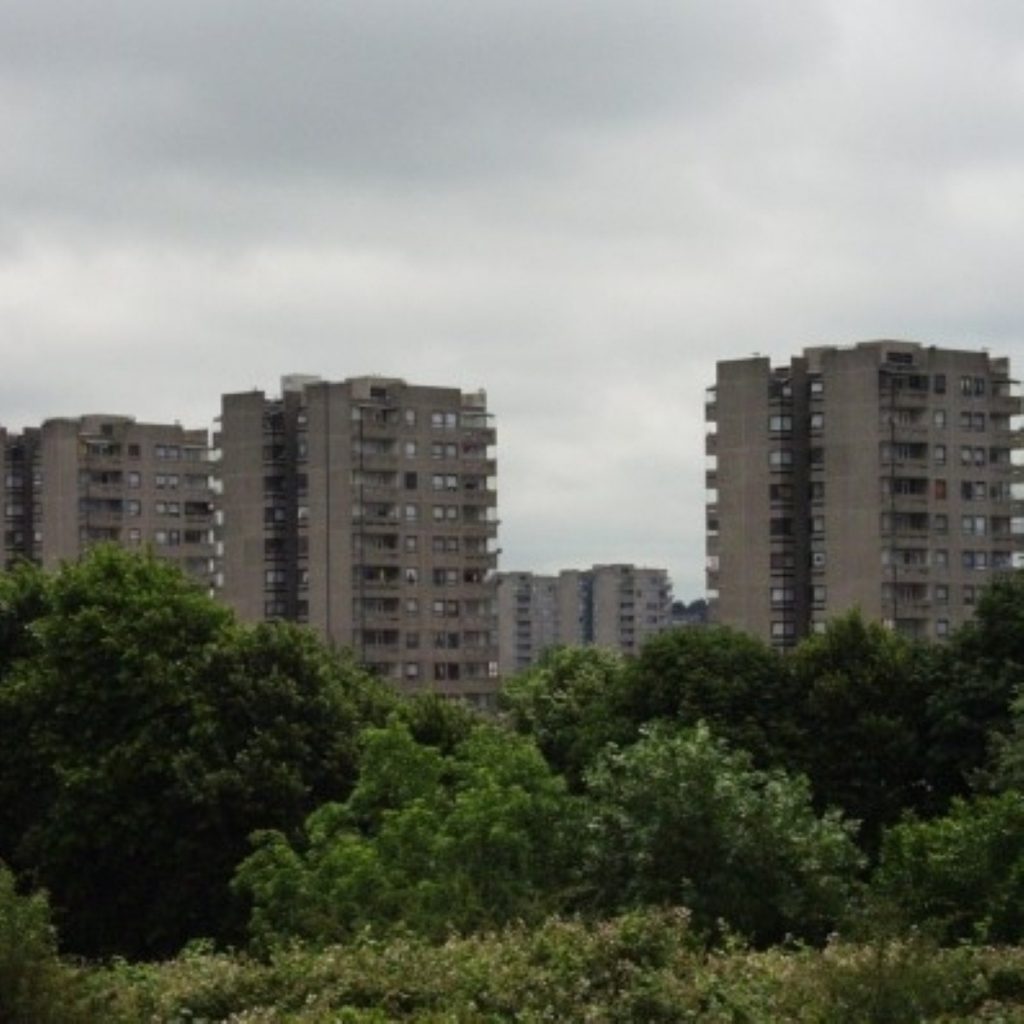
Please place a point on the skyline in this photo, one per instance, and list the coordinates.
(577, 207)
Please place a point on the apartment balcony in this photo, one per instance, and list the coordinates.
(479, 498)
(375, 460)
(472, 527)
(386, 556)
(711, 479)
(1006, 404)
(481, 435)
(368, 428)
(711, 443)
(711, 412)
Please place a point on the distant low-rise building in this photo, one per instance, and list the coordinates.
(615, 607)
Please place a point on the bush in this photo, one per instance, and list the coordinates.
(960, 876)
(35, 987)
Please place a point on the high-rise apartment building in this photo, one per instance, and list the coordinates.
(616, 607)
(367, 509)
(877, 476)
(74, 483)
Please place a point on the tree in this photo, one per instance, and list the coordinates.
(961, 875)
(147, 736)
(426, 842)
(678, 818)
(734, 682)
(970, 712)
(569, 705)
(865, 691)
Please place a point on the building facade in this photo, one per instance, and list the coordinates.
(616, 607)
(366, 508)
(878, 477)
(74, 483)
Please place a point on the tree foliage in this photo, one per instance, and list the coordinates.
(569, 704)
(739, 686)
(426, 842)
(679, 818)
(864, 694)
(961, 875)
(145, 735)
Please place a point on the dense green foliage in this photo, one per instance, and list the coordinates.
(427, 842)
(961, 875)
(35, 986)
(169, 775)
(679, 819)
(645, 967)
(143, 736)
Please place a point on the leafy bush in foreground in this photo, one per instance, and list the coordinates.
(646, 966)
(35, 987)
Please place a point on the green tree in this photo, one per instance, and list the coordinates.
(961, 875)
(426, 842)
(864, 696)
(569, 705)
(35, 987)
(970, 712)
(678, 818)
(740, 686)
(147, 735)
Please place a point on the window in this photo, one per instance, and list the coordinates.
(939, 454)
(412, 606)
(782, 597)
(817, 559)
(410, 417)
(781, 527)
(409, 448)
(783, 630)
(817, 421)
(134, 479)
(966, 386)
(941, 593)
(939, 383)
(411, 481)
(817, 490)
(780, 457)
(939, 418)
(412, 544)
(412, 575)
(778, 424)
(780, 492)
(940, 523)
(968, 595)
(942, 627)
(133, 507)
(817, 456)
(940, 558)
(817, 524)
(965, 421)
(135, 535)
(816, 387)
(412, 641)
(818, 594)
(412, 513)
(940, 490)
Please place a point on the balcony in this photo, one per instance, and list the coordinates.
(711, 443)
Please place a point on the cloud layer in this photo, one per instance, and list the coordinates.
(579, 206)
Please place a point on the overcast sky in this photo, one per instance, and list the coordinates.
(578, 206)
